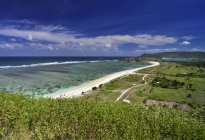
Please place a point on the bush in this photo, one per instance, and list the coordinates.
(22, 117)
(166, 83)
(100, 85)
(94, 88)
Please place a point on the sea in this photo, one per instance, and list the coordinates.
(37, 76)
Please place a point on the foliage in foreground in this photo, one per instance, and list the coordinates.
(26, 118)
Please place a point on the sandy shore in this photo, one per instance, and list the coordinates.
(77, 90)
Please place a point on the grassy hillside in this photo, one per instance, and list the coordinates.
(189, 73)
(176, 55)
(113, 89)
(158, 56)
(191, 76)
(24, 118)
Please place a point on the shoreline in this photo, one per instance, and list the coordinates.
(77, 91)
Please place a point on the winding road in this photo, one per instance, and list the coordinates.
(143, 78)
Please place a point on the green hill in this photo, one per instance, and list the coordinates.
(178, 54)
(159, 56)
(22, 117)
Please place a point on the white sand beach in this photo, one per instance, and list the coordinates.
(86, 87)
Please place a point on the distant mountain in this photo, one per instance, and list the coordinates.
(159, 56)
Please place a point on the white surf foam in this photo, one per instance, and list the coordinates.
(47, 64)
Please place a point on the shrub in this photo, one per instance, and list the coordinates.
(94, 88)
(166, 83)
(100, 85)
(22, 117)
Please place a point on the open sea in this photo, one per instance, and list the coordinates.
(37, 76)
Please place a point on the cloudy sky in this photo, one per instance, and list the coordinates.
(100, 27)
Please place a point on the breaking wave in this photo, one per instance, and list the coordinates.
(47, 64)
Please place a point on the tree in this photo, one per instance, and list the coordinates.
(94, 88)
(174, 83)
(188, 96)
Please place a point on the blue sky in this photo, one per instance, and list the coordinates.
(100, 27)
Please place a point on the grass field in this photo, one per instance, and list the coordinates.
(172, 71)
(113, 89)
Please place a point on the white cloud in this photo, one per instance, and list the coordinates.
(5, 46)
(50, 28)
(156, 50)
(50, 47)
(69, 39)
(185, 42)
(23, 21)
(108, 45)
(144, 39)
(195, 49)
(187, 37)
(142, 46)
(30, 37)
(9, 46)
(13, 39)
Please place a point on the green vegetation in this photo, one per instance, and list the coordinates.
(113, 89)
(22, 117)
(190, 87)
(176, 68)
(180, 82)
(163, 82)
(190, 56)
(94, 88)
(197, 55)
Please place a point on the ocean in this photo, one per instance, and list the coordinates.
(37, 76)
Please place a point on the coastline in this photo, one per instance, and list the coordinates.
(86, 87)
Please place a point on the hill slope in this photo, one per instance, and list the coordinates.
(25, 118)
(177, 55)
(159, 56)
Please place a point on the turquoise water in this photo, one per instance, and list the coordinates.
(39, 80)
